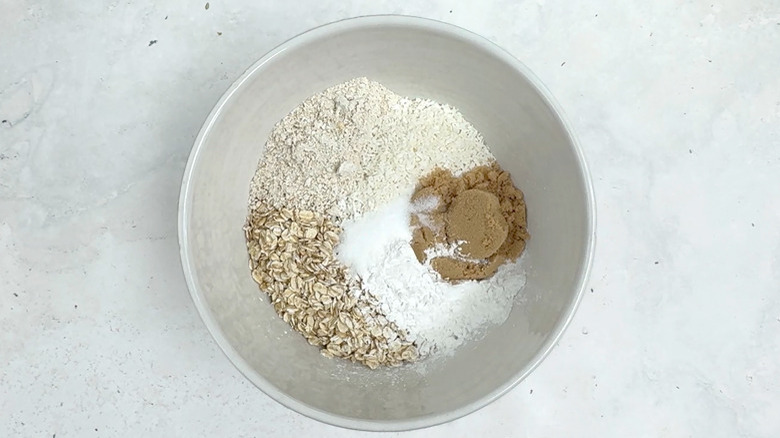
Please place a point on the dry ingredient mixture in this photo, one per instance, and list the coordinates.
(381, 227)
(437, 316)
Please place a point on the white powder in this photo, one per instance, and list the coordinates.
(364, 241)
(357, 146)
(437, 315)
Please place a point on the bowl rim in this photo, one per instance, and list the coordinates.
(235, 358)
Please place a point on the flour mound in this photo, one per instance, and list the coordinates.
(356, 146)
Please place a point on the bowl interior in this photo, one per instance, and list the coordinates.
(415, 58)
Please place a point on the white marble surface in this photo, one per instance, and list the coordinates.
(677, 105)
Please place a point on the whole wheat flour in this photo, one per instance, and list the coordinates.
(356, 146)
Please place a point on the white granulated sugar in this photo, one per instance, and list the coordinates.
(388, 224)
(438, 316)
(357, 146)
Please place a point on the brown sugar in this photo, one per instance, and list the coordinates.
(453, 269)
(481, 214)
(474, 218)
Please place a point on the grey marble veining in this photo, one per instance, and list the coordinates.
(677, 106)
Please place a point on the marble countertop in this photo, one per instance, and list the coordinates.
(677, 105)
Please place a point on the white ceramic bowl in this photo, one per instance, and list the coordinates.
(524, 129)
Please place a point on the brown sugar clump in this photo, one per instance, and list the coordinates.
(452, 269)
(474, 218)
(480, 214)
